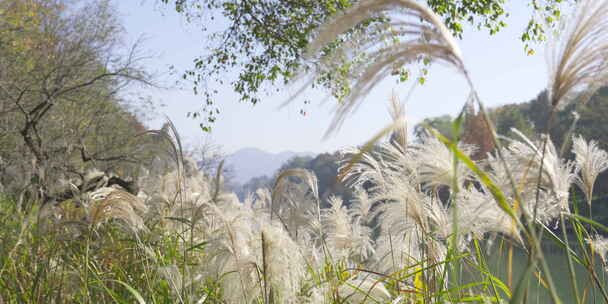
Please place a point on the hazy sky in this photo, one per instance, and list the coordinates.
(501, 72)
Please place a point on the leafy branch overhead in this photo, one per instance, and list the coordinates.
(255, 44)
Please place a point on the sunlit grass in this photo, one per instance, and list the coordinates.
(428, 224)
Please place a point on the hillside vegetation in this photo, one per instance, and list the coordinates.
(530, 118)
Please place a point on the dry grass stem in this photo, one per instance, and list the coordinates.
(577, 59)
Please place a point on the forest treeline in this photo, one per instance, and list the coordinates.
(66, 102)
(65, 110)
(529, 117)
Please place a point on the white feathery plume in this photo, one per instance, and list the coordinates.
(416, 32)
(296, 203)
(283, 191)
(521, 158)
(283, 181)
(310, 243)
(402, 213)
(242, 245)
(397, 111)
(398, 250)
(298, 209)
(172, 274)
(599, 244)
(412, 9)
(520, 171)
(434, 163)
(440, 219)
(578, 57)
(558, 175)
(363, 290)
(401, 199)
(379, 168)
(396, 157)
(362, 244)
(172, 187)
(369, 169)
(591, 161)
(314, 231)
(119, 205)
(285, 267)
(361, 206)
(561, 175)
(231, 253)
(405, 234)
(258, 202)
(344, 239)
(249, 200)
(479, 214)
(263, 198)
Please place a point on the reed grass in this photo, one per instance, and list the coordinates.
(421, 228)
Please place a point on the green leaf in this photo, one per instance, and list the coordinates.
(561, 243)
(499, 197)
(179, 219)
(522, 285)
(133, 292)
(494, 281)
(198, 246)
(588, 221)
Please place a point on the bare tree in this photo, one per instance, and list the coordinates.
(62, 68)
(208, 156)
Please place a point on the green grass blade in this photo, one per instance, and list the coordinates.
(198, 246)
(135, 293)
(483, 268)
(569, 258)
(499, 197)
(588, 221)
(562, 244)
(179, 219)
(520, 290)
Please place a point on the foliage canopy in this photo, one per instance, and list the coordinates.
(263, 42)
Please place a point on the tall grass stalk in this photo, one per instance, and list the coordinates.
(413, 234)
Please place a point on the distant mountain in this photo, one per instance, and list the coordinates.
(251, 162)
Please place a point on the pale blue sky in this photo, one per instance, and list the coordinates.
(501, 71)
